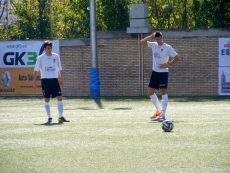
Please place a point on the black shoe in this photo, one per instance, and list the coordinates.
(62, 119)
(49, 121)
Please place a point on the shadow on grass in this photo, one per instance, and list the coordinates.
(89, 108)
(48, 124)
(99, 100)
(82, 108)
(122, 108)
(199, 98)
(155, 122)
(86, 108)
(70, 108)
(167, 132)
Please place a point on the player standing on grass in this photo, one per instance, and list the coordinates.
(159, 78)
(49, 64)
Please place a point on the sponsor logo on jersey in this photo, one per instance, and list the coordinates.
(48, 69)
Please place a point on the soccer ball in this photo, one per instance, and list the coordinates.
(167, 125)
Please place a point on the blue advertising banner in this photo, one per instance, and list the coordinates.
(224, 80)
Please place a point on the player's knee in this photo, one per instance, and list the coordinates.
(59, 98)
(150, 93)
(163, 91)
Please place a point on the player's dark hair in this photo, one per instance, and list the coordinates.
(157, 34)
(47, 43)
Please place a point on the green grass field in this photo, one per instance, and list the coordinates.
(115, 135)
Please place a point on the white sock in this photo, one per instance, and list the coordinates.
(60, 108)
(164, 103)
(47, 107)
(155, 101)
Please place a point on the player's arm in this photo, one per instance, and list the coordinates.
(173, 54)
(36, 69)
(34, 80)
(60, 78)
(174, 60)
(144, 40)
(60, 74)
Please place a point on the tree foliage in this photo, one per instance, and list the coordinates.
(42, 19)
(114, 14)
(33, 20)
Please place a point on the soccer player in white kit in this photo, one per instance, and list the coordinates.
(159, 78)
(49, 64)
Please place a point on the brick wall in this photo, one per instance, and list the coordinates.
(125, 67)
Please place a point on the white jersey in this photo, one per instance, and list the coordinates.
(48, 65)
(161, 55)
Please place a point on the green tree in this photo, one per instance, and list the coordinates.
(42, 19)
(224, 12)
(75, 19)
(33, 20)
(115, 14)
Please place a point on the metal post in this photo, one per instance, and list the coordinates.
(93, 34)
(94, 73)
(7, 20)
(139, 52)
(142, 67)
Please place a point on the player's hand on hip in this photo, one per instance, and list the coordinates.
(165, 65)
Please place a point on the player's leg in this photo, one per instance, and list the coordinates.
(47, 108)
(153, 86)
(56, 92)
(46, 94)
(163, 83)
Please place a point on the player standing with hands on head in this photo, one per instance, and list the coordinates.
(49, 64)
(159, 78)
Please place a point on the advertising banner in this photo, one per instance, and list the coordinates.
(22, 54)
(18, 81)
(224, 80)
(224, 52)
(17, 60)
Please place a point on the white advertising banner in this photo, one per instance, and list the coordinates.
(224, 52)
(22, 54)
(224, 80)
